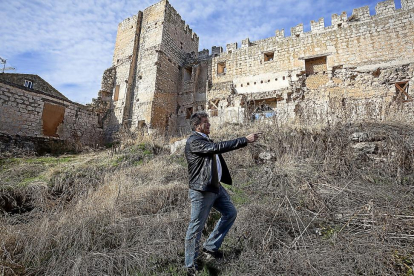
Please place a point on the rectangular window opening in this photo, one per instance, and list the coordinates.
(401, 89)
(116, 95)
(269, 56)
(141, 124)
(28, 84)
(221, 68)
(189, 112)
(316, 66)
(188, 71)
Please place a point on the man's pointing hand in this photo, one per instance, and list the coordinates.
(251, 138)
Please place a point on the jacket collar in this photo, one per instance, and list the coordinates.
(202, 135)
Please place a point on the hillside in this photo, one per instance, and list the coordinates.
(332, 201)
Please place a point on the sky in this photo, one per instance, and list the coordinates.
(70, 43)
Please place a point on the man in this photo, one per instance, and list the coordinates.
(206, 169)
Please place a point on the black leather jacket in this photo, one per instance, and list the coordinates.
(199, 152)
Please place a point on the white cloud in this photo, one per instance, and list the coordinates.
(72, 41)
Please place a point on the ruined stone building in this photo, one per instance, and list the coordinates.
(33, 114)
(359, 68)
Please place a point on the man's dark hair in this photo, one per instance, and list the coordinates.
(195, 119)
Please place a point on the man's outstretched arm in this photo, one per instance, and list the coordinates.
(206, 147)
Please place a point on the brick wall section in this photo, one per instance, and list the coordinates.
(21, 114)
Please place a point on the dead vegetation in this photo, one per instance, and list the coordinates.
(332, 201)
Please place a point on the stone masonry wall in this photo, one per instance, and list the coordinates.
(179, 44)
(381, 38)
(122, 59)
(343, 72)
(149, 44)
(21, 114)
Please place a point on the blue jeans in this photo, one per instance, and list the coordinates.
(201, 203)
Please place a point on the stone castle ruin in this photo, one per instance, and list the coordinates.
(359, 68)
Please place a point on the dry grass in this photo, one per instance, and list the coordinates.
(316, 207)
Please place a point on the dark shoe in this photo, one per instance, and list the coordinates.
(212, 254)
(191, 271)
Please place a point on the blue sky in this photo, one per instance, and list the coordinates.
(70, 43)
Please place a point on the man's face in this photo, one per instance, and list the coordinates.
(204, 126)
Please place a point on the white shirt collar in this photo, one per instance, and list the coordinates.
(203, 134)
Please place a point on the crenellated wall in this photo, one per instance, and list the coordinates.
(349, 70)
(282, 72)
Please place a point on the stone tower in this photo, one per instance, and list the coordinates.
(142, 84)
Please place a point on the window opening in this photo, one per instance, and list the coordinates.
(269, 56)
(141, 124)
(116, 95)
(402, 91)
(221, 68)
(262, 109)
(213, 106)
(188, 71)
(189, 112)
(28, 84)
(316, 66)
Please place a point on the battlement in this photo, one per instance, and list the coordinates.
(318, 26)
(204, 53)
(231, 47)
(179, 22)
(297, 30)
(362, 14)
(279, 34)
(246, 43)
(339, 20)
(385, 8)
(216, 50)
